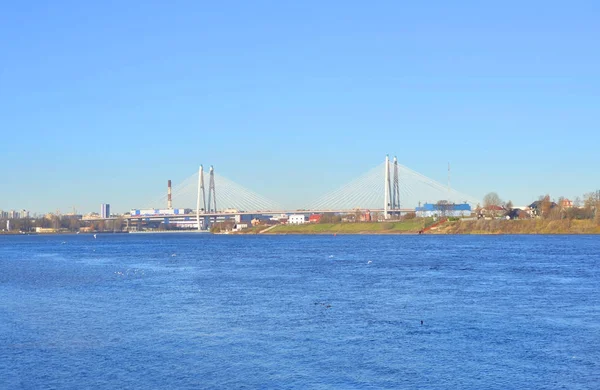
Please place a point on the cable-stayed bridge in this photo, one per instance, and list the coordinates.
(389, 188)
(211, 192)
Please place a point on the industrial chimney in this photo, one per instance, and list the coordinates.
(169, 201)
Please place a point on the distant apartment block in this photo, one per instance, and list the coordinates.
(104, 210)
(14, 214)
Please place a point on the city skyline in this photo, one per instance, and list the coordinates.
(295, 100)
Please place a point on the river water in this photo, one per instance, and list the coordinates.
(344, 312)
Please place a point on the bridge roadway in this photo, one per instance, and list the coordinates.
(279, 212)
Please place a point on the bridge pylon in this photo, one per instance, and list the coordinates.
(202, 193)
(212, 197)
(396, 188)
(391, 189)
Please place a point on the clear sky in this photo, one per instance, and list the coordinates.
(105, 101)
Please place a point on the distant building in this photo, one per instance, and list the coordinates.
(517, 213)
(105, 210)
(367, 216)
(566, 203)
(251, 217)
(86, 217)
(315, 218)
(297, 219)
(536, 207)
(447, 210)
(492, 211)
(158, 212)
(45, 230)
(240, 226)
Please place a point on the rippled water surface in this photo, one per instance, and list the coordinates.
(206, 311)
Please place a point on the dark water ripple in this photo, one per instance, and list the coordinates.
(202, 311)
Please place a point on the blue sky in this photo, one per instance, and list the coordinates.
(105, 102)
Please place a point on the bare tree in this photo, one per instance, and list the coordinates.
(491, 199)
(100, 226)
(592, 204)
(326, 218)
(73, 224)
(591, 198)
(410, 215)
(443, 207)
(491, 203)
(55, 221)
(358, 215)
(118, 224)
(545, 206)
(560, 207)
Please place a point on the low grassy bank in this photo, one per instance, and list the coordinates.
(533, 226)
(253, 230)
(412, 226)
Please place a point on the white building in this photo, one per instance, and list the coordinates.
(240, 226)
(297, 219)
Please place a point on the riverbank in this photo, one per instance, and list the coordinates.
(404, 227)
(534, 226)
(169, 232)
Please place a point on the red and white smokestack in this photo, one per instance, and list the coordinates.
(169, 201)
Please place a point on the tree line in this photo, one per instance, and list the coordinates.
(586, 207)
(61, 223)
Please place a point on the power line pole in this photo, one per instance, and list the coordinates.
(448, 180)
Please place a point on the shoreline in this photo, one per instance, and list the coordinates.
(407, 227)
(460, 227)
(417, 234)
(334, 233)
